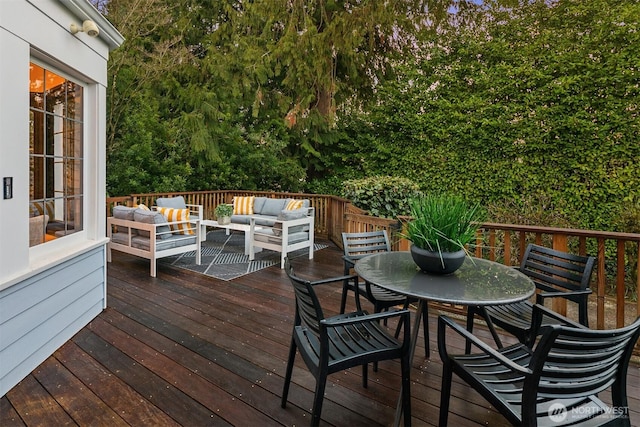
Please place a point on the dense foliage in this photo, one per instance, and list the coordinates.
(543, 106)
(528, 106)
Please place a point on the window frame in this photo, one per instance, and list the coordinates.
(78, 143)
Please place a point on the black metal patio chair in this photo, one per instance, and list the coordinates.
(357, 246)
(555, 382)
(332, 344)
(556, 274)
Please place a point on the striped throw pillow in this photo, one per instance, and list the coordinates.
(243, 205)
(293, 204)
(43, 208)
(173, 215)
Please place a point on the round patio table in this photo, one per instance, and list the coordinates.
(478, 282)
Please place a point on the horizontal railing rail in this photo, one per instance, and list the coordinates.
(618, 254)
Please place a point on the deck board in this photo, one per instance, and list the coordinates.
(187, 349)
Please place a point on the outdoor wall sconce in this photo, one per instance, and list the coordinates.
(88, 27)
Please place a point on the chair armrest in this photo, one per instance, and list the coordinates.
(334, 279)
(540, 311)
(349, 261)
(445, 321)
(196, 209)
(308, 220)
(364, 317)
(553, 293)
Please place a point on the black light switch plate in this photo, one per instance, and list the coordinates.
(7, 185)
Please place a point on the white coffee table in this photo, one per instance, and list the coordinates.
(231, 226)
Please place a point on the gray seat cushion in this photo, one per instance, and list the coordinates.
(258, 205)
(143, 243)
(244, 219)
(269, 237)
(124, 212)
(272, 207)
(171, 202)
(152, 217)
(286, 215)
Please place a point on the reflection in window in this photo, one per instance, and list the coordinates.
(55, 155)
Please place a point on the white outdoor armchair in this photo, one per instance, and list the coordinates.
(291, 231)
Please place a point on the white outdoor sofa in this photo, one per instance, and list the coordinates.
(148, 234)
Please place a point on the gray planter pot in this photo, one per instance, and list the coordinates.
(436, 262)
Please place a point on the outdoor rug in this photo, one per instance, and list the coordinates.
(223, 256)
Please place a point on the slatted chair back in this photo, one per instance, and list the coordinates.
(358, 245)
(556, 274)
(308, 309)
(571, 363)
(554, 382)
(553, 271)
(355, 247)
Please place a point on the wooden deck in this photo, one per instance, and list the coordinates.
(186, 349)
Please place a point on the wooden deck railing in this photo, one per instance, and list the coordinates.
(616, 274)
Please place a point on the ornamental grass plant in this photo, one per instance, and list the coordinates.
(442, 222)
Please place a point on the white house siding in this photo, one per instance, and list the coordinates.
(50, 291)
(42, 313)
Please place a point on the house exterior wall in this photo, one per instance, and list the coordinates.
(43, 312)
(50, 291)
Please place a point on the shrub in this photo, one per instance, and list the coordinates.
(382, 196)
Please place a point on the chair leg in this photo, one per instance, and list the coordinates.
(471, 312)
(318, 398)
(425, 329)
(492, 329)
(401, 321)
(365, 375)
(343, 299)
(445, 394)
(287, 377)
(583, 313)
(405, 366)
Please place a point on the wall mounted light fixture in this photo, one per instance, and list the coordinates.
(88, 27)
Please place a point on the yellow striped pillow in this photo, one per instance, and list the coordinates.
(293, 205)
(143, 207)
(243, 205)
(173, 215)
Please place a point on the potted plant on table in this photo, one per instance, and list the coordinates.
(440, 227)
(223, 213)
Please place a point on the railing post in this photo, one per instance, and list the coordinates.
(620, 291)
(638, 280)
(507, 247)
(492, 245)
(559, 305)
(601, 276)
